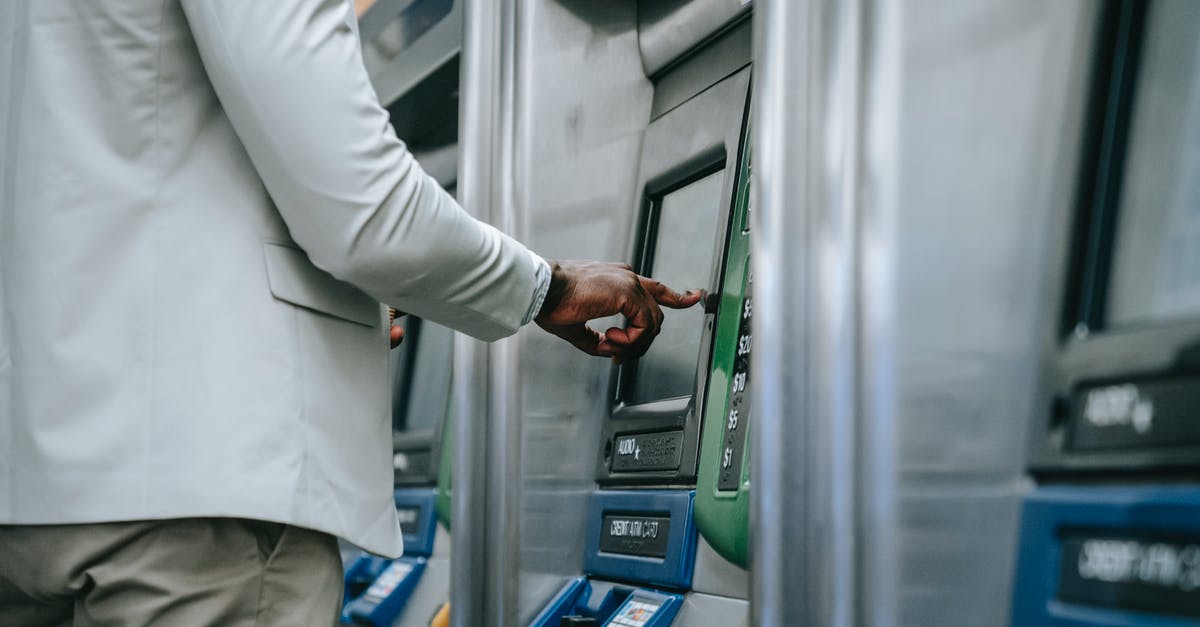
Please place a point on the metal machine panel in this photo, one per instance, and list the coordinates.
(645, 536)
(911, 164)
(652, 435)
(418, 522)
(726, 54)
(404, 41)
(1119, 556)
(709, 609)
(723, 479)
(577, 190)
(714, 575)
(420, 401)
(1121, 383)
(668, 29)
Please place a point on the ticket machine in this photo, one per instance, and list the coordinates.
(1111, 535)
(666, 525)
(411, 50)
(411, 589)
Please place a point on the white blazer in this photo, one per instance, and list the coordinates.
(202, 205)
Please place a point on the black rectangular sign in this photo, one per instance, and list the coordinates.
(410, 518)
(644, 536)
(647, 451)
(1156, 575)
(737, 421)
(1136, 415)
(411, 466)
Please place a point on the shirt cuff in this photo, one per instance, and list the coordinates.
(542, 277)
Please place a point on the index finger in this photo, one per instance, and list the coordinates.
(668, 297)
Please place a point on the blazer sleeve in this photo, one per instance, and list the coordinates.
(290, 77)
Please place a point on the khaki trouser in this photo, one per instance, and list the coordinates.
(193, 571)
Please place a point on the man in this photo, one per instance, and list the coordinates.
(202, 207)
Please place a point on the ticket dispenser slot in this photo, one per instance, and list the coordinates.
(641, 548)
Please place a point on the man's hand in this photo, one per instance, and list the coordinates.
(395, 331)
(586, 290)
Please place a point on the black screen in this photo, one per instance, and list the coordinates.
(1155, 273)
(680, 252)
(421, 376)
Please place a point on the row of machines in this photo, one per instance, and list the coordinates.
(411, 49)
(667, 523)
(413, 590)
(1111, 534)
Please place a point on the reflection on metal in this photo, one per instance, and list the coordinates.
(577, 198)
(804, 563)
(878, 552)
(486, 469)
(667, 29)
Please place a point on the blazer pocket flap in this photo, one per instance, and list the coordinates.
(294, 279)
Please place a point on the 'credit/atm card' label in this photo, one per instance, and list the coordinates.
(637, 612)
(410, 518)
(647, 451)
(1157, 575)
(644, 536)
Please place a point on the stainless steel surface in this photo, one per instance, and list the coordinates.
(878, 545)
(915, 166)
(988, 147)
(715, 576)
(582, 105)
(725, 55)
(805, 219)
(669, 28)
(914, 173)
(712, 611)
(481, 572)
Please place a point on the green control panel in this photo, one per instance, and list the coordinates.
(441, 503)
(723, 480)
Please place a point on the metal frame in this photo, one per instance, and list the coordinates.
(803, 570)
(433, 49)
(486, 478)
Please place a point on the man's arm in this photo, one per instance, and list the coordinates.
(290, 77)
